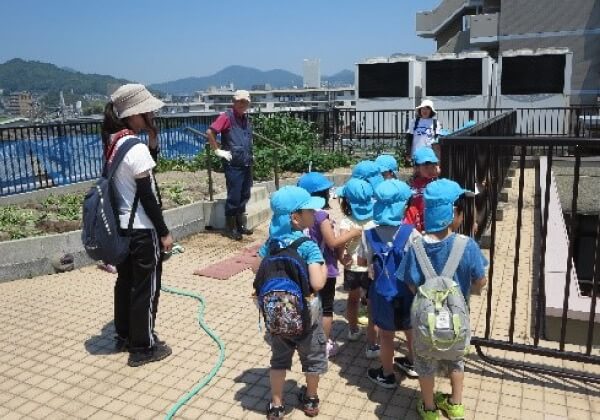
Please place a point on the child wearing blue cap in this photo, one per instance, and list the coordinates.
(293, 211)
(369, 171)
(432, 254)
(382, 248)
(388, 166)
(323, 233)
(357, 206)
(426, 170)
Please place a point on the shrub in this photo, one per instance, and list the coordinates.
(296, 149)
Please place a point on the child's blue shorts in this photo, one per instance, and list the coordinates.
(390, 316)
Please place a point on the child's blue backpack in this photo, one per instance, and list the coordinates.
(282, 287)
(386, 259)
(101, 234)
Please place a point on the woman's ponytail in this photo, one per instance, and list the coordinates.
(110, 125)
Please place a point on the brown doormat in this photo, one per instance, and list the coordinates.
(229, 267)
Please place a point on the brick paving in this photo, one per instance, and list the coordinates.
(56, 358)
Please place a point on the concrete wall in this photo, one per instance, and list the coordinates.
(549, 18)
(25, 258)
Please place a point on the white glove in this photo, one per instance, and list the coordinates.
(223, 154)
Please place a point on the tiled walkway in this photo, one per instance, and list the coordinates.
(56, 359)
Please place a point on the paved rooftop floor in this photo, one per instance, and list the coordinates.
(56, 358)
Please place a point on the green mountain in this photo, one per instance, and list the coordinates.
(35, 76)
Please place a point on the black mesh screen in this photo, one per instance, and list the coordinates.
(383, 80)
(453, 77)
(526, 75)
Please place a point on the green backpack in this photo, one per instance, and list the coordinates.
(439, 314)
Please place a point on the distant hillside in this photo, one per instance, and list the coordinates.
(35, 76)
(344, 77)
(244, 78)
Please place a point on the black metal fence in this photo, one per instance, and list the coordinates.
(563, 310)
(41, 156)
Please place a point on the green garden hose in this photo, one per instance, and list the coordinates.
(206, 379)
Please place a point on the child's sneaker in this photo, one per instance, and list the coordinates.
(275, 412)
(377, 376)
(332, 348)
(363, 315)
(426, 414)
(453, 411)
(372, 351)
(354, 335)
(310, 405)
(406, 366)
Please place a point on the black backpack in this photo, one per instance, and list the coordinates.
(101, 235)
(281, 286)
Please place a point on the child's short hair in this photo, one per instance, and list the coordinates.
(323, 194)
(345, 207)
(461, 203)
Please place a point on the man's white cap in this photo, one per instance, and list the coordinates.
(241, 95)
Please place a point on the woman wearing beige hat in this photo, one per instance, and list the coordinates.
(131, 111)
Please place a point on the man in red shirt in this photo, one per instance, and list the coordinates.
(236, 152)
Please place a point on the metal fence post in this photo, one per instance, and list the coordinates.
(209, 171)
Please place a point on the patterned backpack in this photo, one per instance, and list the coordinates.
(439, 314)
(282, 287)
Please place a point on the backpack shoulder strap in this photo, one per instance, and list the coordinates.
(456, 253)
(120, 155)
(435, 126)
(296, 244)
(423, 259)
(416, 123)
(374, 240)
(402, 236)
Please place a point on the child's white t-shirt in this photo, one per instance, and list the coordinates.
(352, 246)
(423, 134)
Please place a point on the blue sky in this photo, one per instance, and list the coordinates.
(154, 41)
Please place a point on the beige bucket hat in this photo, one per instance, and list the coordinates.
(134, 99)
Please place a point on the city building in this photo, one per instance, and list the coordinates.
(20, 104)
(292, 99)
(285, 99)
(312, 73)
(499, 26)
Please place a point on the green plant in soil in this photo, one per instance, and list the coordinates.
(62, 207)
(18, 223)
(299, 149)
(176, 193)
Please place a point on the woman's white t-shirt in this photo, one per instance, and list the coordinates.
(423, 135)
(136, 161)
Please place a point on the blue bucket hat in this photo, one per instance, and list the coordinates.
(314, 182)
(368, 170)
(286, 201)
(387, 163)
(440, 197)
(359, 194)
(391, 197)
(424, 155)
